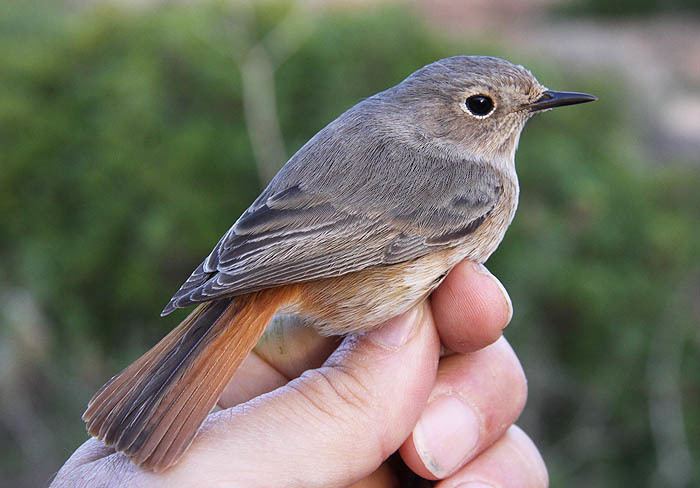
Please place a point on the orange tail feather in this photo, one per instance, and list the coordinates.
(152, 410)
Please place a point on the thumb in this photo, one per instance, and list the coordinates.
(331, 426)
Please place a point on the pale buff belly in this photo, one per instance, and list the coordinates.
(360, 301)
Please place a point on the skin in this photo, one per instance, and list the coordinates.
(293, 416)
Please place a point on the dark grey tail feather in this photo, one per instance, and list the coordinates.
(121, 412)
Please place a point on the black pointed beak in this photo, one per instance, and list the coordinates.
(552, 99)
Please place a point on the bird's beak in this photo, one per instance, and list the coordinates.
(552, 99)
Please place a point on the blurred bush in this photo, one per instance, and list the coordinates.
(633, 8)
(124, 156)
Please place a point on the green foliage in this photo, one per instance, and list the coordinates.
(631, 8)
(127, 154)
(124, 156)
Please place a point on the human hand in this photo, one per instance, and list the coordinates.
(294, 417)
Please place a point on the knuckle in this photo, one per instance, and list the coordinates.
(338, 390)
(511, 373)
(501, 398)
(529, 457)
(339, 395)
(515, 379)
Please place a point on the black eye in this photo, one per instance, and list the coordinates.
(479, 105)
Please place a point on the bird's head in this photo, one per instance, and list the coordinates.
(474, 104)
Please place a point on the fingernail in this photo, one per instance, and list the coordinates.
(396, 332)
(446, 434)
(481, 269)
(474, 484)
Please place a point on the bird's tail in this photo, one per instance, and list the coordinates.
(152, 410)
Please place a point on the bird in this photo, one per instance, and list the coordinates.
(359, 225)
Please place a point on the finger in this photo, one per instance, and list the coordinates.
(471, 308)
(476, 397)
(88, 463)
(91, 450)
(291, 346)
(335, 424)
(288, 348)
(512, 461)
(254, 377)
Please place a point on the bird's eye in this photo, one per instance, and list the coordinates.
(479, 105)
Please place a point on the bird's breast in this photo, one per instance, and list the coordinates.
(484, 240)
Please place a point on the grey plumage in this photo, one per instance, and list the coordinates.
(397, 176)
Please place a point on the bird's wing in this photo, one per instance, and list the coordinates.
(295, 236)
(353, 197)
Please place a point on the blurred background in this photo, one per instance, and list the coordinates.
(133, 133)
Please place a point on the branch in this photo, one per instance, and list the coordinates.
(258, 68)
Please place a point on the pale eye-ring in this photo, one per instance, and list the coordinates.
(479, 105)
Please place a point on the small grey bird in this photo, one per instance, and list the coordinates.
(361, 224)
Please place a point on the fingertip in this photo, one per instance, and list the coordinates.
(412, 459)
(513, 460)
(507, 302)
(395, 332)
(471, 308)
